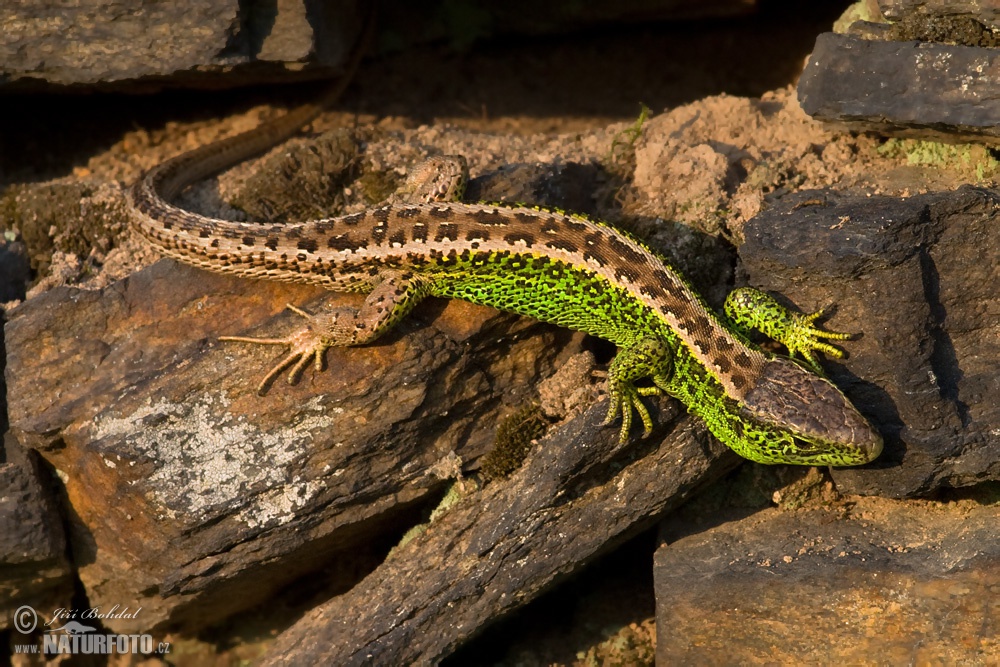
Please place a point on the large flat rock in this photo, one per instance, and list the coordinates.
(915, 279)
(873, 582)
(909, 89)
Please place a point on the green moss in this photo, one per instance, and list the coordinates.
(514, 436)
(976, 159)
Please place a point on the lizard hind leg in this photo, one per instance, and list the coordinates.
(394, 295)
(646, 358)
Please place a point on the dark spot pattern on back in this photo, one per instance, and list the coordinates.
(652, 291)
(491, 217)
(344, 242)
(627, 273)
(739, 380)
(562, 244)
(308, 244)
(446, 230)
(625, 251)
(723, 364)
(323, 226)
(723, 344)
(515, 237)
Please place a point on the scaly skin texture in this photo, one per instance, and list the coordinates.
(550, 265)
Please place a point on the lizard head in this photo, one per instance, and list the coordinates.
(825, 428)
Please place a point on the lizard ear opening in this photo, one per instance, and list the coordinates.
(812, 409)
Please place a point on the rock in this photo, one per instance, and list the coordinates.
(225, 43)
(917, 280)
(15, 270)
(221, 42)
(63, 218)
(910, 89)
(578, 495)
(986, 11)
(303, 182)
(874, 579)
(186, 487)
(34, 569)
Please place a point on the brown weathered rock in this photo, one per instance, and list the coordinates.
(109, 42)
(578, 494)
(908, 89)
(987, 11)
(34, 570)
(224, 43)
(917, 279)
(876, 581)
(186, 487)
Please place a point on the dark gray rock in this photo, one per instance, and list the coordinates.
(908, 89)
(34, 568)
(875, 580)
(918, 279)
(107, 42)
(15, 270)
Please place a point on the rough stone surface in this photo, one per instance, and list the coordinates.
(917, 279)
(875, 581)
(909, 89)
(222, 43)
(15, 270)
(578, 494)
(107, 42)
(987, 11)
(34, 569)
(180, 475)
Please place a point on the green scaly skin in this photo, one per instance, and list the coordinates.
(556, 267)
(650, 349)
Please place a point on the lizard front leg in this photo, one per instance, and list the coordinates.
(394, 295)
(646, 358)
(750, 308)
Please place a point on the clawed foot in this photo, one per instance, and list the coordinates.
(623, 399)
(306, 344)
(804, 339)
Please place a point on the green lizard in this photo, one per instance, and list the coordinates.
(554, 266)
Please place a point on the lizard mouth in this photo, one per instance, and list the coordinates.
(856, 452)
